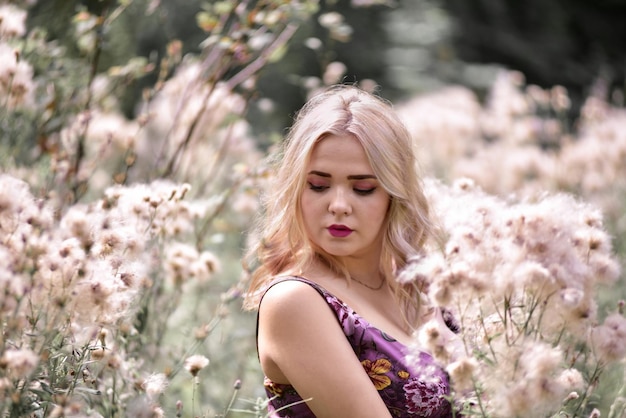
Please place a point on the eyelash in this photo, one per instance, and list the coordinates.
(317, 188)
(362, 192)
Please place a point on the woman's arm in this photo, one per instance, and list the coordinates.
(302, 343)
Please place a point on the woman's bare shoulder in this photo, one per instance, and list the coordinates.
(290, 297)
(292, 314)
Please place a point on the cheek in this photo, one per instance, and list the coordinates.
(378, 215)
(307, 208)
(380, 209)
(311, 201)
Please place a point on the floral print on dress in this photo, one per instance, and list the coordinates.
(376, 371)
(419, 389)
(272, 388)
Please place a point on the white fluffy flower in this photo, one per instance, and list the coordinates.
(196, 363)
(19, 362)
(12, 21)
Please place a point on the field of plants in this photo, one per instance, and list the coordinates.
(121, 233)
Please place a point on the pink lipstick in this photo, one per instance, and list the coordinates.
(339, 231)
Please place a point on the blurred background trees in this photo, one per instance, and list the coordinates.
(577, 44)
(407, 46)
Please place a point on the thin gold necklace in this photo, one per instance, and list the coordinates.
(367, 285)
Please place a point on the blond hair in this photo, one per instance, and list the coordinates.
(282, 244)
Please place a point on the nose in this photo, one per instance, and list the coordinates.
(339, 203)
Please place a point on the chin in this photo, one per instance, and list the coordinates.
(337, 253)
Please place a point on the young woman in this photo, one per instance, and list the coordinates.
(345, 213)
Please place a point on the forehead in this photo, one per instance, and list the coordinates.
(340, 152)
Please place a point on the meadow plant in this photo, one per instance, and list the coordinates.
(523, 253)
(532, 246)
(531, 249)
(73, 288)
(520, 277)
(519, 141)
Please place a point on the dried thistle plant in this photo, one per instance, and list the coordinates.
(521, 278)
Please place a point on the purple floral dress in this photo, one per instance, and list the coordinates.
(416, 390)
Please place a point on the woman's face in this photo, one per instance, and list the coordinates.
(343, 204)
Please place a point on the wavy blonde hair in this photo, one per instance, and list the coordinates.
(282, 245)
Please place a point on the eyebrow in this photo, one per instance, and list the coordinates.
(350, 177)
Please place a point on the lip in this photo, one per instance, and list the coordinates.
(339, 231)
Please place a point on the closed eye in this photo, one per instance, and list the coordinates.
(316, 187)
(364, 192)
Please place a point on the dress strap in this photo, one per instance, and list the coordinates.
(314, 285)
